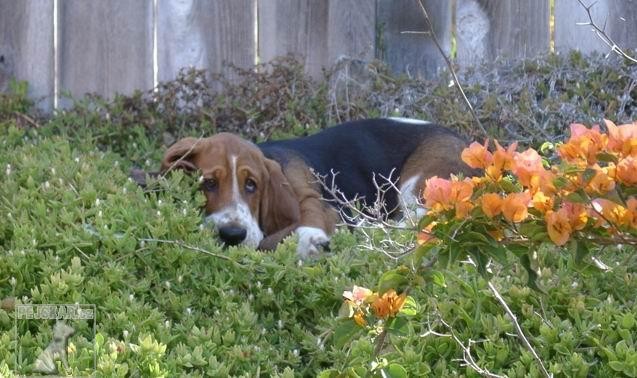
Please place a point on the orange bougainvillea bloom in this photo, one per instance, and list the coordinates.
(502, 161)
(437, 194)
(612, 212)
(583, 145)
(542, 202)
(491, 204)
(359, 318)
(389, 304)
(558, 226)
(441, 194)
(526, 165)
(477, 155)
(622, 139)
(601, 183)
(626, 170)
(425, 235)
(576, 213)
(515, 206)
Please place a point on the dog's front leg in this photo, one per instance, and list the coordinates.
(318, 219)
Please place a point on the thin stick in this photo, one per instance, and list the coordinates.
(450, 66)
(192, 248)
(601, 33)
(518, 329)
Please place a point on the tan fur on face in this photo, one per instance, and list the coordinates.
(273, 203)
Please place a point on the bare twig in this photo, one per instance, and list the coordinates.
(372, 218)
(456, 82)
(192, 248)
(601, 33)
(467, 357)
(518, 329)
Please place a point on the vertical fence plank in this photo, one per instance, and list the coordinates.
(510, 29)
(569, 35)
(296, 27)
(618, 17)
(26, 47)
(414, 54)
(623, 23)
(105, 47)
(351, 29)
(205, 34)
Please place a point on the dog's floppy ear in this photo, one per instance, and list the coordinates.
(279, 205)
(180, 155)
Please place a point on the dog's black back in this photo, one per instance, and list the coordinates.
(357, 150)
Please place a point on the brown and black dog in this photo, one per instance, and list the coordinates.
(257, 194)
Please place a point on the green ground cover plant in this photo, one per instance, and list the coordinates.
(171, 302)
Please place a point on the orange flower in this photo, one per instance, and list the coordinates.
(437, 194)
(584, 145)
(389, 304)
(627, 170)
(558, 226)
(600, 183)
(515, 206)
(441, 194)
(576, 214)
(502, 160)
(491, 204)
(542, 202)
(461, 190)
(425, 235)
(526, 165)
(359, 318)
(477, 155)
(612, 212)
(463, 208)
(622, 139)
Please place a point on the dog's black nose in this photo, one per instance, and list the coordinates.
(232, 235)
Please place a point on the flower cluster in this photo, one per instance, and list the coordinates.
(589, 191)
(361, 303)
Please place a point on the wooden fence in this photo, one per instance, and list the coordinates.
(109, 46)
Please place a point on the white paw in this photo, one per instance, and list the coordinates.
(311, 241)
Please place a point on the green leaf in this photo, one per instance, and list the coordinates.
(560, 182)
(588, 175)
(525, 261)
(411, 307)
(607, 157)
(438, 279)
(393, 279)
(578, 197)
(426, 220)
(399, 326)
(346, 311)
(481, 260)
(581, 253)
(345, 332)
(395, 371)
(616, 365)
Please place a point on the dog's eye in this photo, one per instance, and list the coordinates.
(250, 186)
(209, 185)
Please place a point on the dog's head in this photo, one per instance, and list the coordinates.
(247, 195)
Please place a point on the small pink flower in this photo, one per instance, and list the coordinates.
(358, 295)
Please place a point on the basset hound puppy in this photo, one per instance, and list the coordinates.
(257, 194)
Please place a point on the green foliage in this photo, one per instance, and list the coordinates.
(72, 224)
